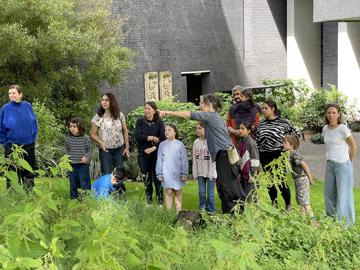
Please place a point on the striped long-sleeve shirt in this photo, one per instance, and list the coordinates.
(77, 147)
(270, 134)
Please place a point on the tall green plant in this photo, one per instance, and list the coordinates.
(61, 51)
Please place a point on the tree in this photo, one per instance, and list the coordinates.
(61, 51)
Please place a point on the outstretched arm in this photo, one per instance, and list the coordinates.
(183, 114)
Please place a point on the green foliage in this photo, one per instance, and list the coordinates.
(303, 106)
(61, 51)
(317, 138)
(50, 139)
(289, 97)
(313, 112)
(277, 171)
(46, 230)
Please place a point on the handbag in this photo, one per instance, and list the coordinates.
(233, 155)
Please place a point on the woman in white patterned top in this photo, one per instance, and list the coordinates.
(109, 131)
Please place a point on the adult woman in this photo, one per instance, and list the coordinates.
(149, 132)
(18, 126)
(339, 179)
(269, 138)
(218, 139)
(109, 131)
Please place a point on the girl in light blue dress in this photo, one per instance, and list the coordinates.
(172, 166)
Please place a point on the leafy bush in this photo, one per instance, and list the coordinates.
(317, 138)
(50, 139)
(305, 107)
(289, 97)
(62, 51)
(46, 230)
(355, 126)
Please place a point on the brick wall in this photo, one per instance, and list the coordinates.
(179, 35)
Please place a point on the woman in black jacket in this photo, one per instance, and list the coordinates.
(149, 132)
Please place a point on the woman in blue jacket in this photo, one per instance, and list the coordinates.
(18, 126)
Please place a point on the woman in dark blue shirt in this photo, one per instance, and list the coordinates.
(149, 132)
(18, 126)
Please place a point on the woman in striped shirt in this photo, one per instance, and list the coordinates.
(78, 147)
(269, 138)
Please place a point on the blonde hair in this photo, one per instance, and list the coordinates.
(293, 140)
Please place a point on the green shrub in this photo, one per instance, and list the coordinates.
(62, 51)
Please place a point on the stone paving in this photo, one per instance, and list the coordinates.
(314, 155)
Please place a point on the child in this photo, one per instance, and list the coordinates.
(172, 166)
(300, 173)
(247, 110)
(204, 170)
(78, 147)
(105, 185)
(249, 155)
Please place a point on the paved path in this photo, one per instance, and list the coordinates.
(314, 155)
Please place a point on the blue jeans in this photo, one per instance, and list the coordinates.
(111, 159)
(338, 191)
(79, 178)
(206, 187)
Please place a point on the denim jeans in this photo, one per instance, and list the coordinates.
(206, 187)
(79, 178)
(338, 191)
(111, 159)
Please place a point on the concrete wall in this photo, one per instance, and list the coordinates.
(336, 10)
(303, 43)
(329, 54)
(239, 41)
(349, 60)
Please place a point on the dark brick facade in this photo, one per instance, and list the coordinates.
(239, 41)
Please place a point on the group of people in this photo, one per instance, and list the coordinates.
(163, 160)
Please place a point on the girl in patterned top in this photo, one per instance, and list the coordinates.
(300, 172)
(78, 147)
(269, 138)
(109, 131)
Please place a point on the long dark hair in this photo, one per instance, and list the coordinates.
(153, 105)
(175, 128)
(114, 106)
(272, 104)
(248, 93)
(214, 100)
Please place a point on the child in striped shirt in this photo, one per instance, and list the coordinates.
(78, 147)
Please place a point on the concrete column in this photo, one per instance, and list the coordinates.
(349, 60)
(303, 43)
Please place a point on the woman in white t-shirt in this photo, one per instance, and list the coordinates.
(339, 179)
(109, 131)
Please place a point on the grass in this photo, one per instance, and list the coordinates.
(191, 198)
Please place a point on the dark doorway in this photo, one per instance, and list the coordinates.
(194, 87)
